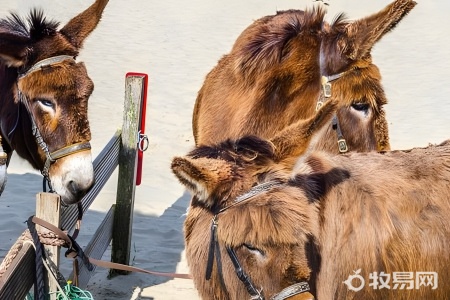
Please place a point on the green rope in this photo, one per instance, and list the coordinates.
(72, 292)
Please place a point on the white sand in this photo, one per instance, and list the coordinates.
(177, 43)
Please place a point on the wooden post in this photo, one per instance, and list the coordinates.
(123, 217)
(48, 208)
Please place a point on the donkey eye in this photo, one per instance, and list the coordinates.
(359, 106)
(253, 249)
(46, 103)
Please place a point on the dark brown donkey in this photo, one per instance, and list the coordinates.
(353, 226)
(44, 96)
(282, 66)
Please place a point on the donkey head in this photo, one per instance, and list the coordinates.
(217, 175)
(272, 78)
(48, 96)
(355, 81)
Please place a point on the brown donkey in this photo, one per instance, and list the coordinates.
(355, 226)
(44, 96)
(282, 66)
(216, 175)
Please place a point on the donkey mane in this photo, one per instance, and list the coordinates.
(35, 27)
(249, 148)
(268, 46)
(341, 19)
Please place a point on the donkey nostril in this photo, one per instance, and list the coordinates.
(79, 189)
(72, 186)
(76, 190)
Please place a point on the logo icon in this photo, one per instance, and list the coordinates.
(356, 277)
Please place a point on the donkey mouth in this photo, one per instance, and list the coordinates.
(76, 192)
(73, 177)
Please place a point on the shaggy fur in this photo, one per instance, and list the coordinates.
(374, 212)
(57, 95)
(272, 78)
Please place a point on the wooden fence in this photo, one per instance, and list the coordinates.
(121, 151)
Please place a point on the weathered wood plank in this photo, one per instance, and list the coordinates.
(123, 218)
(18, 279)
(48, 208)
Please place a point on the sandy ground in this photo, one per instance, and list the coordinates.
(177, 43)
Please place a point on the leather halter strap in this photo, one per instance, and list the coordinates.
(342, 144)
(324, 95)
(257, 189)
(68, 150)
(42, 64)
(51, 157)
(292, 290)
(326, 88)
(254, 293)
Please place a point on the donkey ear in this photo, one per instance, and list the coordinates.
(82, 25)
(317, 175)
(361, 35)
(201, 176)
(295, 139)
(13, 46)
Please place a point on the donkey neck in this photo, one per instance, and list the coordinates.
(8, 109)
(15, 125)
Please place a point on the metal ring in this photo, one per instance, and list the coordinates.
(143, 142)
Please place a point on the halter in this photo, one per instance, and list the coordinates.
(254, 293)
(324, 95)
(60, 153)
(3, 161)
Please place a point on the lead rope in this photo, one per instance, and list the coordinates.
(39, 281)
(75, 251)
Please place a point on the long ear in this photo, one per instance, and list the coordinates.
(13, 44)
(82, 25)
(294, 139)
(361, 35)
(202, 176)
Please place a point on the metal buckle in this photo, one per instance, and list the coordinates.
(3, 158)
(327, 90)
(319, 105)
(326, 87)
(342, 145)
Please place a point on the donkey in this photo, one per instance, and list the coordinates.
(282, 67)
(353, 226)
(228, 169)
(44, 99)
